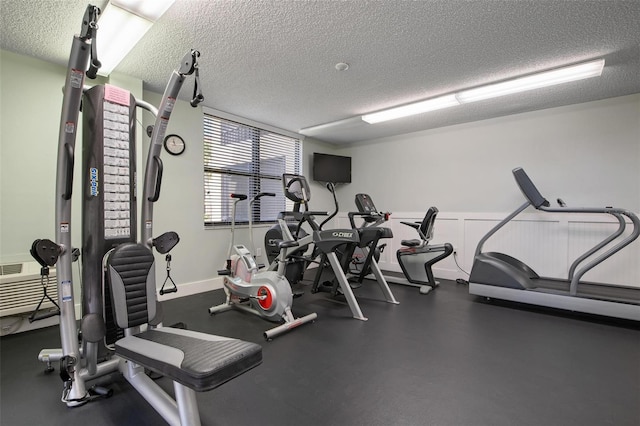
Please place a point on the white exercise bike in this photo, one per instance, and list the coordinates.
(267, 294)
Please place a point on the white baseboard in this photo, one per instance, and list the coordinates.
(196, 287)
(20, 323)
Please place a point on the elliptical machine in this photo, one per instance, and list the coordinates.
(266, 294)
(326, 243)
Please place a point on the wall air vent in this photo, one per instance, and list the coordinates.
(13, 268)
(21, 291)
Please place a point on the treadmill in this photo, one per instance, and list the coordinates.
(500, 276)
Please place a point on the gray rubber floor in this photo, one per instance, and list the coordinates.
(446, 358)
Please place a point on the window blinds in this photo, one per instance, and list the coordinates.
(244, 159)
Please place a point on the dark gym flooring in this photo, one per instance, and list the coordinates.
(446, 358)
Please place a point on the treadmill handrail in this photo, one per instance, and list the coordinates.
(573, 289)
(496, 228)
(603, 243)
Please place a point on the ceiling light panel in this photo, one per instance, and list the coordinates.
(412, 109)
(534, 81)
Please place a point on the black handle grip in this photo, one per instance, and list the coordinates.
(239, 196)
(43, 315)
(196, 100)
(265, 194)
(156, 193)
(68, 187)
(92, 72)
(171, 290)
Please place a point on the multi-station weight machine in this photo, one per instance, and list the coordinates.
(121, 322)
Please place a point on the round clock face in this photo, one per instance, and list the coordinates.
(174, 144)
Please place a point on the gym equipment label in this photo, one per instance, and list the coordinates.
(66, 291)
(116, 95)
(94, 182)
(75, 78)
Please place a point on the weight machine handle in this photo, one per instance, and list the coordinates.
(68, 187)
(156, 192)
(37, 316)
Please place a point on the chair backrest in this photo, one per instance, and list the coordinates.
(131, 273)
(426, 227)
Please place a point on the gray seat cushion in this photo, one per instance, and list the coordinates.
(199, 361)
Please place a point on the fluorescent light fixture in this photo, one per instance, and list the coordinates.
(534, 81)
(493, 90)
(121, 25)
(412, 109)
(340, 124)
(149, 9)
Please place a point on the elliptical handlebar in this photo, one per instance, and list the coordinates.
(332, 188)
(368, 211)
(263, 194)
(370, 218)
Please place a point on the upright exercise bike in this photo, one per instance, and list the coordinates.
(266, 294)
(368, 252)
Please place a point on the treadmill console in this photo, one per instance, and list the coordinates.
(529, 189)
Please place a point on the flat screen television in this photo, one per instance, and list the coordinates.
(331, 168)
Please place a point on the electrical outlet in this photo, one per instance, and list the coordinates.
(259, 251)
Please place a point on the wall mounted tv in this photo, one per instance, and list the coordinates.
(331, 168)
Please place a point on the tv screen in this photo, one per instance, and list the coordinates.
(331, 168)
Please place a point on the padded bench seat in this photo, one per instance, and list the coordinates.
(198, 361)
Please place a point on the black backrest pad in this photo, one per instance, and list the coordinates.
(529, 189)
(132, 281)
(426, 227)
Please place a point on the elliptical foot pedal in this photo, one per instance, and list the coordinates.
(355, 284)
(425, 289)
(100, 392)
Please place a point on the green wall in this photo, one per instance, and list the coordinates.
(30, 108)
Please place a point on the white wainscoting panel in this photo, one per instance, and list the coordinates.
(547, 242)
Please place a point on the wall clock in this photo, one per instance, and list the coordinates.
(174, 144)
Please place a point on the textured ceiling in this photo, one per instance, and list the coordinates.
(274, 61)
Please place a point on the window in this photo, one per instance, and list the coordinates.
(244, 159)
